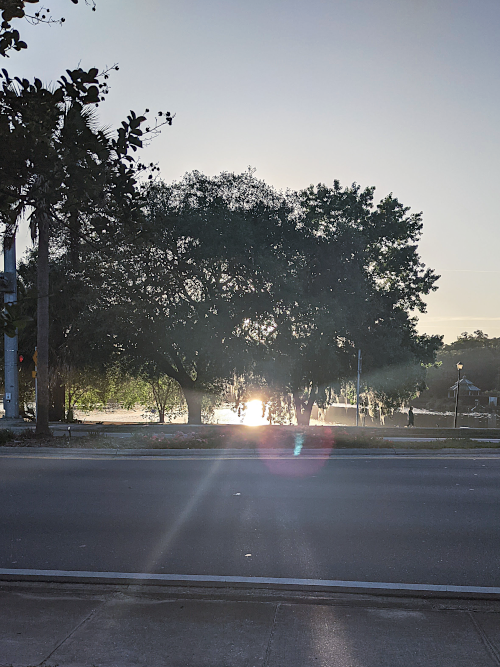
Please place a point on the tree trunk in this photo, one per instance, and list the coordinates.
(42, 337)
(193, 400)
(161, 416)
(303, 409)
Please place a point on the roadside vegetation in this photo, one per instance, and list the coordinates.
(292, 440)
(480, 356)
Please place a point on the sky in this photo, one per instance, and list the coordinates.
(402, 95)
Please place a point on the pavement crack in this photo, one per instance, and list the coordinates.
(491, 648)
(271, 635)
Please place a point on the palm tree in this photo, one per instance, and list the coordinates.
(56, 167)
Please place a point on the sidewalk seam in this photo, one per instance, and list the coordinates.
(490, 647)
(271, 636)
(71, 633)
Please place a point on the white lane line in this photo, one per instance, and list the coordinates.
(495, 440)
(76, 576)
(409, 439)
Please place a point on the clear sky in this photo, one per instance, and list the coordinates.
(400, 94)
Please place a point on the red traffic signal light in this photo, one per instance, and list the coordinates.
(21, 358)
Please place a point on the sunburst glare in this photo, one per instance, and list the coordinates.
(253, 414)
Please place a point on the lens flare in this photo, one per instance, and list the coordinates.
(299, 442)
(289, 453)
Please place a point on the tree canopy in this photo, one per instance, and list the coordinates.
(231, 279)
(191, 299)
(358, 279)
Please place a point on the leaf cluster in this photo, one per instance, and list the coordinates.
(12, 318)
(59, 167)
(10, 38)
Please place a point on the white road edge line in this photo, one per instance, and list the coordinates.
(468, 454)
(75, 576)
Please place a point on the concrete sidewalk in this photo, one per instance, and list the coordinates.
(86, 626)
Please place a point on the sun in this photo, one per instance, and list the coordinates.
(253, 414)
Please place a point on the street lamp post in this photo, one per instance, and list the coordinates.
(459, 368)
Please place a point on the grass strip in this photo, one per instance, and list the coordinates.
(211, 438)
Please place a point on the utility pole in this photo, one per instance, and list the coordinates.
(34, 374)
(8, 285)
(357, 388)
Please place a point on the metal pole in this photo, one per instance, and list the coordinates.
(11, 397)
(35, 357)
(357, 388)
(456, 398)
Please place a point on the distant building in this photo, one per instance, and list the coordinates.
(466, 389)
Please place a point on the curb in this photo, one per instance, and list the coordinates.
(252, 583)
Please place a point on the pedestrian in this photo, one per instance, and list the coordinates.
(411, 417)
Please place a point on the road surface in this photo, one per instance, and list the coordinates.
(421, 520)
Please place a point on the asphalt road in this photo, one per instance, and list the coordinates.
(403, 520)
